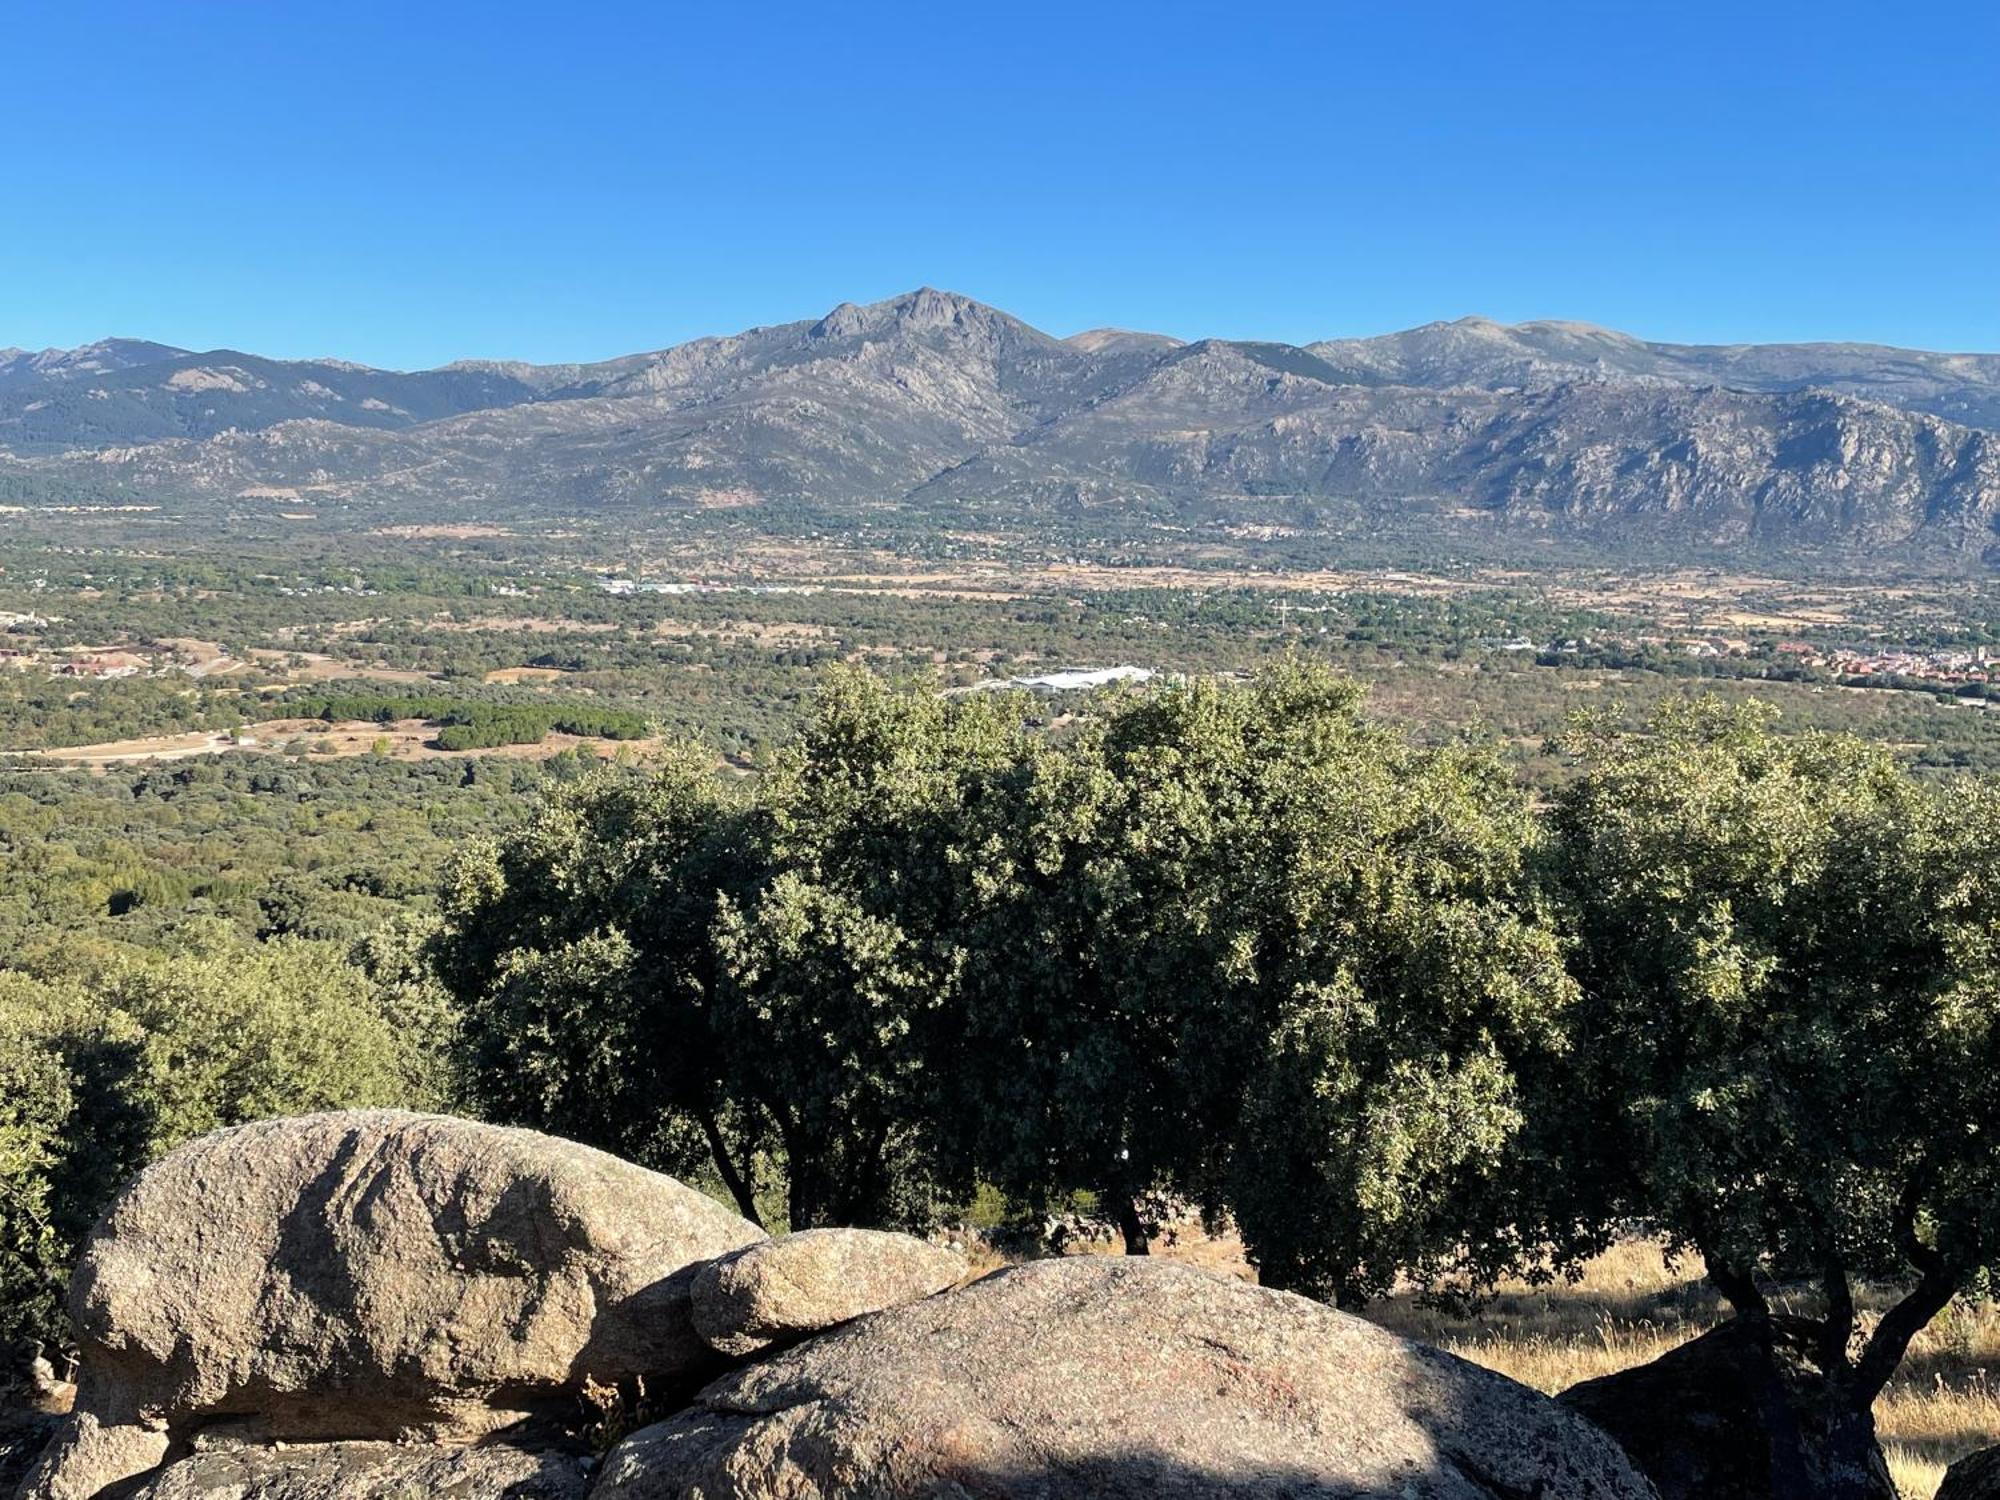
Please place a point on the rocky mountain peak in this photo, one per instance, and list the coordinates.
(925, 310)
(85, 360)
(929, 308)
(848, 321)
(931, 398)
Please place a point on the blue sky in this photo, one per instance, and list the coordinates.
(404, 183)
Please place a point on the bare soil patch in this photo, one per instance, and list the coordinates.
(406, 739)
(525, 674)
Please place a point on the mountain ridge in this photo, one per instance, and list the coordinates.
(934, 399)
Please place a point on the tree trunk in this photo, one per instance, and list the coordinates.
(801, 1203)
(858, 1197)
(1126, 1211)
(739, 1188)
(805, 1198)
(1849, 1458)
(1795, 1403)
(1741, 1413)
(1738, 1288)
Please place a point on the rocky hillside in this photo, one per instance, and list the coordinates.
(931, 400)
(1962, 388)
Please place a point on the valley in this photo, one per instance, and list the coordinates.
(300, 683)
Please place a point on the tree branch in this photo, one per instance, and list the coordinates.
(1837, 1332)
(718, 1148)
(1900, 1324)
(1937, 1283)
(1739, 1286)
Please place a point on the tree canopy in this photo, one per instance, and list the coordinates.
(1244, 944)
(1787, 1046)
(1233, 942)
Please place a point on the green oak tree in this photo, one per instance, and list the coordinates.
(674, 967)
(37, 1108)
(110, 1055)
(1240, 943)
(1787, 1046)
(579, 953)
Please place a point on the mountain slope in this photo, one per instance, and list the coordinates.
(1714, 466)
(863, 404)
(20, 367)
(932, 400)
(1476, 352)
(202, 395)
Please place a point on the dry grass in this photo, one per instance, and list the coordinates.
(525, 674)
(1631, 1307)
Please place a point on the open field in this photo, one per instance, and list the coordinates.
(316, 666)
(525, 674)
(406, 739)
(135, 643)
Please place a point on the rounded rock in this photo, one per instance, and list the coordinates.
(1974, 1477)
(780, 1290)
(1098, 1378)
(371, 1471)
(375, 1274)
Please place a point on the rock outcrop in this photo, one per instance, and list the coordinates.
(87, 1453)
(780, 1290)
(1733, 1416)
(381, 1306)
(1094, 1378)
(1974, 1477)
(374, 1274)
(372, 1471)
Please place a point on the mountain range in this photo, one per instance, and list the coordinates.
(939, 403)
